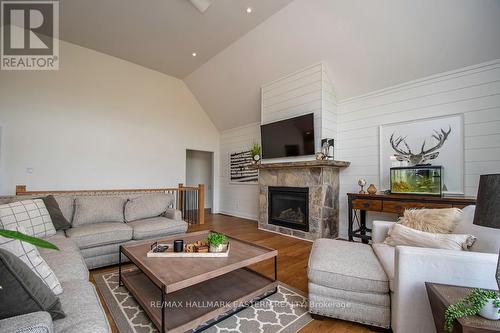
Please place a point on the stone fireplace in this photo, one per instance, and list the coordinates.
(300, 199)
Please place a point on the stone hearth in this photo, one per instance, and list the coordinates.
(322, 179)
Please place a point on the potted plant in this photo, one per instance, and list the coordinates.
(28, 239)
(486, 303)
(217, 242)
(255, 151)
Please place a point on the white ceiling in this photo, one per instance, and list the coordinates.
(367, 45)
(161, 34)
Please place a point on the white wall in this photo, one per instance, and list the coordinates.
(473, 91)
(329, 116)
(238, 199)
(199, 171)
(98, 122)
(305, 91)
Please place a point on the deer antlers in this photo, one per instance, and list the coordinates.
(440, 137)
(424, 155)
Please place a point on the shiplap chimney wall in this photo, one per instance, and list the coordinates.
(473, 91)
(305, 91)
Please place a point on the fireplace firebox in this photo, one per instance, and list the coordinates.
(289, 207)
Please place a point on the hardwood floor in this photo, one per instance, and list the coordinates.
(293, 255)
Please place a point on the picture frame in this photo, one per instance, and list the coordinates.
(450, 157)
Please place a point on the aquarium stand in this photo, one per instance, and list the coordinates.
(360, 204)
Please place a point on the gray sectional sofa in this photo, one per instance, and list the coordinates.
(100, 224)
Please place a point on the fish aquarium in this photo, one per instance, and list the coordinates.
(424, 180)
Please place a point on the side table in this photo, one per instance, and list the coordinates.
(442, 295)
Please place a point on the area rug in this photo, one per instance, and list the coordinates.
(284, 311)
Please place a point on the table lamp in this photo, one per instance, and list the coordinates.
(487, 212)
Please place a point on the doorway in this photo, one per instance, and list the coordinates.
(199, 170)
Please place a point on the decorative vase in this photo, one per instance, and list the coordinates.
(371, 189)
(490, 311)
(219, 248)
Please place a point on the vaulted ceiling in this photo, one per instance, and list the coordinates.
(367, 45)
(161, 34)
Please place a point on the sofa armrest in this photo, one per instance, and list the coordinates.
(414, 266)
(173, 214)
(39, 322)
(379, 230)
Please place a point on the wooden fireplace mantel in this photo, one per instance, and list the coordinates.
(304, 164)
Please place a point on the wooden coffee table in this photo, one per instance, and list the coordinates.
(180, 294)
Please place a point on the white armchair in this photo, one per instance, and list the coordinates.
(412, 267)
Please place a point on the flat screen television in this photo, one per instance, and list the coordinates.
(290, 137)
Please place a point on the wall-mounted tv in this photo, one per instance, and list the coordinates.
(290, 137)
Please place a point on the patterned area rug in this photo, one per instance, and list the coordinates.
(284, 311)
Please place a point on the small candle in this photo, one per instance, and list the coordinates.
(178, 245)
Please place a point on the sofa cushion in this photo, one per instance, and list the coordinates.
(96, 209)
(332, 264)
(60, 240)
(23, 291)
(67, 265)
(67, 205)
(60, 222)
(386, 255)
(29, 254)
(32, 215)
(147, 206)
(400, 235)
(440, 221)
(488, 239)
(157, 227)
(84, 312)
(97, 234)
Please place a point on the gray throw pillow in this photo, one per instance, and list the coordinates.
(58, 219)
(22, 291)
(146, 206)
(95, 209)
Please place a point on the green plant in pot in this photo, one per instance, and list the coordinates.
(483, 302)
(217, 242)
(28, 239)
(256, 152)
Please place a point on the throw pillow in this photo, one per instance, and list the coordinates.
(441, 221)
(146, 206)
(22, 290)
(32, 215)
(401, 235)
(31, 257)
(66, 205)
(58, 219)
(95, 209)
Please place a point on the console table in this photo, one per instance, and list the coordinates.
(359, 204)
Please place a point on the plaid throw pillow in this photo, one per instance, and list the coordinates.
(31, 257)
(31, 215)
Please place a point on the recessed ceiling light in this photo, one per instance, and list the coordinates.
(249, 10)
(193, 54)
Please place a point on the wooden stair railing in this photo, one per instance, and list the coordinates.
(190, 200)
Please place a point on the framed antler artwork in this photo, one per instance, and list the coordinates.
(429, 141)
